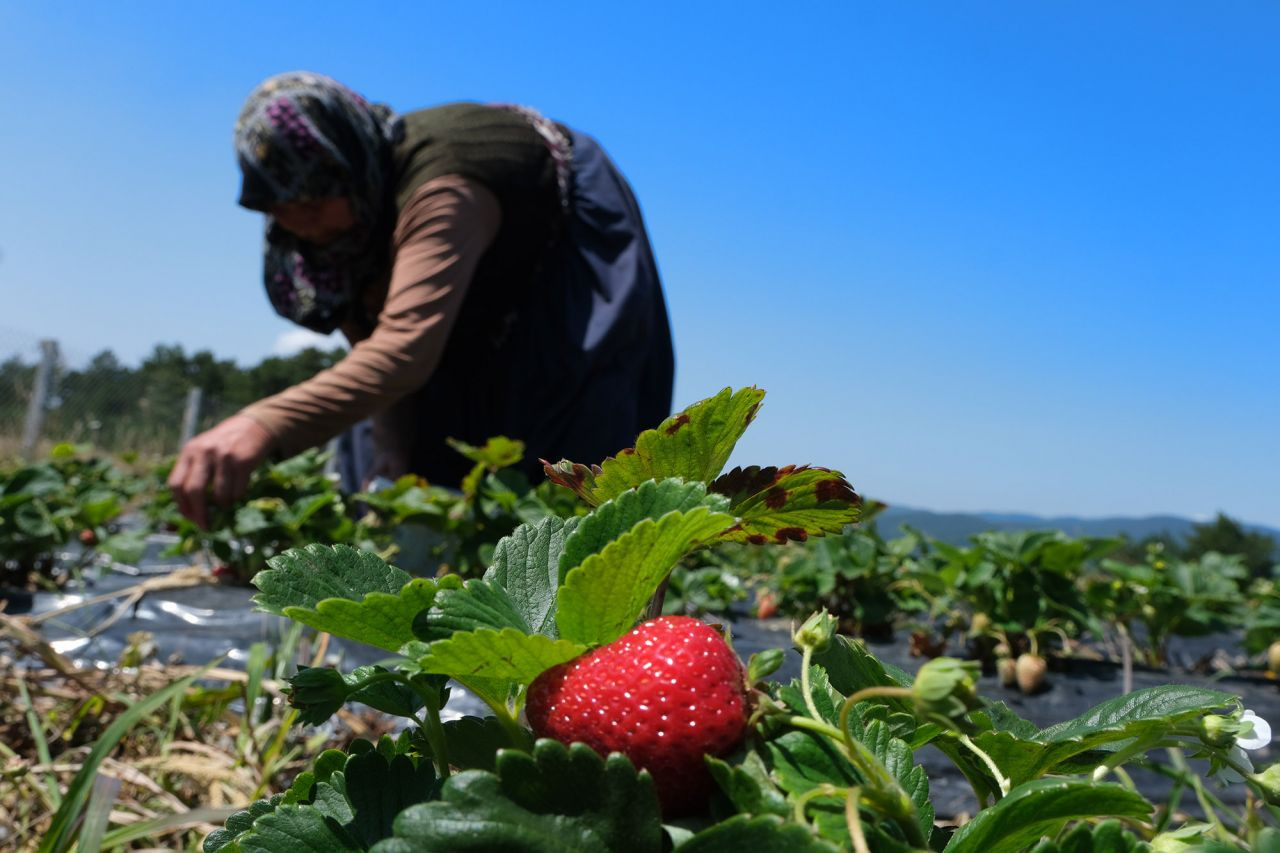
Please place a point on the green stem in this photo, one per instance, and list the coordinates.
(868, 693)
(434, 729)
(1179, 761)
(1125, 778)
(1000, 778)
(379, 677)
(816, 726)
(1171, 804)
(805, 686)
(884, 787)
(802, 801)
(854, 821)
(435, 737)
(515, 732)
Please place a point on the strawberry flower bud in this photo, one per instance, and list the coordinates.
(816, 632)
(1235, 735)
(1218, 731)
(1268, 782)
(317, 692)
(945, 690)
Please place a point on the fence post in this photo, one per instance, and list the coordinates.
(39, 398)
(191, 415)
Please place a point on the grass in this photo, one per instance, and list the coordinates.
(145, 756)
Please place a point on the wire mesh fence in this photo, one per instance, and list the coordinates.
(49, 394)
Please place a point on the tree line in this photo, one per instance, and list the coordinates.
(120, 408)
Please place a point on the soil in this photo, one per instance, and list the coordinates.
(197, 624)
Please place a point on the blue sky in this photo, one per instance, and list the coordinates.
(1005, 256)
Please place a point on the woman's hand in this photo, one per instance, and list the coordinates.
(223, 457)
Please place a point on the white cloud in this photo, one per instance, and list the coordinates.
(296, 340)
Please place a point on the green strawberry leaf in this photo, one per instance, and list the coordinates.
(1110, 836)
(787, 504)
(1041, 808)
(800, 761)
(601, 599)
(997, 716)
(376, 790)
(390, 697)
(760, 834)
(850, 668)
(478, 604)
(764, 663)
(346, 592)
(613, 518)
(127, 546)
(497, 693)
(555, 799)
(525, 564)
(1139, 712)
(506, 655)
(1143, 713)
(473, 743)
(498, 452)
(868, 725)
(692, 445)
(824, 699)
(353, 800)
(897, 757)
(240, 823)
(293, 827)
(318, 692)
(748, 786)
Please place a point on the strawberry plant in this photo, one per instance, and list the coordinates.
(468, 522)
(561, 631)
(870, 583)
(1166, 597)
(72, 496)
(288, 504)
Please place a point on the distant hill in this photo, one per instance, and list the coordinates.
(957, 527)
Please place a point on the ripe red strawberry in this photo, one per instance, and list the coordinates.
(664, 695)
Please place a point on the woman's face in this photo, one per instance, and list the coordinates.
(320, 221)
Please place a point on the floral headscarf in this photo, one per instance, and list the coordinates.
(301, 137)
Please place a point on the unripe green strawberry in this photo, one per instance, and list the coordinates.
(1273, 657)
(1029, 672)
(1007, 670)
(665, 694)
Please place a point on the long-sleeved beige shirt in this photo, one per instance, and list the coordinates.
(439, 239)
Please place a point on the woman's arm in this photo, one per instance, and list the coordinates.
(439, 239)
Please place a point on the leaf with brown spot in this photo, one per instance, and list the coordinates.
(578, 478)
(790, 534)
(741, 483)
(790, 503)
(693, 445)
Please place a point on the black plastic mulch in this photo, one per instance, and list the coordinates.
(197, 624)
